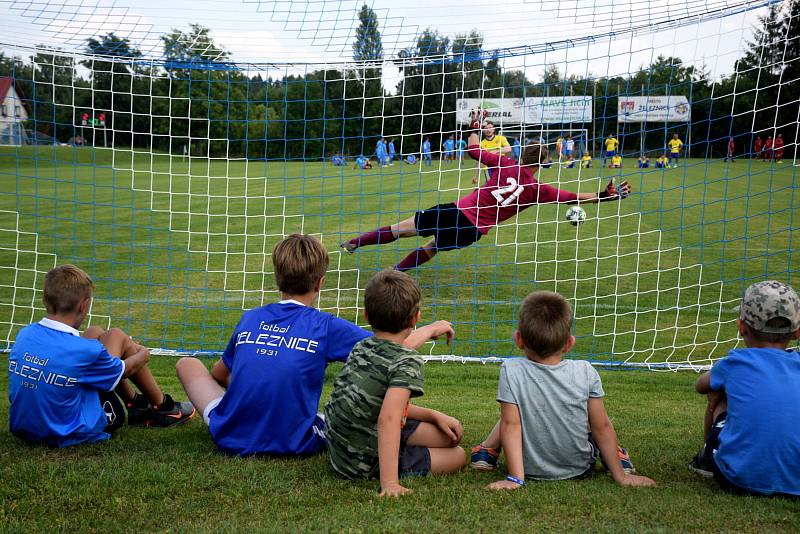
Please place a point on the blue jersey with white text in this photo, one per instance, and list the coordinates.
(759, 446)
(54, 379)
(277, 357)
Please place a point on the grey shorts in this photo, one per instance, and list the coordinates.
(414, 460)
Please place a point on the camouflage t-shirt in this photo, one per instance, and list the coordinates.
(374, 366)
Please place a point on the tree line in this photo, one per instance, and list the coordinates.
(196, 98)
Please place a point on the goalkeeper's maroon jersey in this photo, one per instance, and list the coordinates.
(509, 190)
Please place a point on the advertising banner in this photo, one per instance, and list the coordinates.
(654, 109)
(532, 110)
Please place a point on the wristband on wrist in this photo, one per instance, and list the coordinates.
(515, 480)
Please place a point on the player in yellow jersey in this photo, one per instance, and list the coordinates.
(586, 160)
(616, 162)
(493, 142)
(611, 145)
(675, 145)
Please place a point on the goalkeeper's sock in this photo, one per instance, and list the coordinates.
(415, 259)
(380, 236)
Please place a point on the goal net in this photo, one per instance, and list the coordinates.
(165, 151)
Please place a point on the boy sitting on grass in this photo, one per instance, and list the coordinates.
(373, 429)
(61, 384)
(262, 396)
(752, 422)
(548, 403)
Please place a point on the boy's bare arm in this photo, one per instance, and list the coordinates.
(135, 357)
(450, 426)
(511, 440)
(606, 439)
(421, 335)
(221, 373)
(389, 421)
(703, 384)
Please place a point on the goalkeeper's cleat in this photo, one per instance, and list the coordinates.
(625, 460)
(348, 247)
(170, 413)
(484, 458)
(701, 464)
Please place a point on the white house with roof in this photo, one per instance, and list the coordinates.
(12, 113)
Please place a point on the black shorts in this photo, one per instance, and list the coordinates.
(414, 460)
(114, 410)
(449, 226)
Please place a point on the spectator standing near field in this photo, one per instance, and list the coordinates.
(426, 152)
(674, 145)
(611, 145)
(778, 148)
(392, 152)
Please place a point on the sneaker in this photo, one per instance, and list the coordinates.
(139, 411)
(348, 247)
(625, 461)
(701, 464)
(171, 413)
(484, 458)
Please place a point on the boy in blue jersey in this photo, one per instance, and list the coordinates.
(426, 152)
(61, 384)
(752, 421)
(262, 396)
(392, 151)
(381, 152)
(449, 146)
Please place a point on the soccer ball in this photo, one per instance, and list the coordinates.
(575, 215)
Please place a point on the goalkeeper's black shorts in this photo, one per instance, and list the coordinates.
(448, 225)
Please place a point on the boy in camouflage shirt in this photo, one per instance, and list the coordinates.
(373, 429)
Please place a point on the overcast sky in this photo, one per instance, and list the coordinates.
(323, 30)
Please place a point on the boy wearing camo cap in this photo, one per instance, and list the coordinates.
(752, 423)
(373, 429)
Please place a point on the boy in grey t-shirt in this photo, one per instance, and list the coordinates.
(551, 410)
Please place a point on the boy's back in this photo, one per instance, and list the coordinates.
(553, 402)
(54, 381)
(352, 412)
(277, 357)
(759, 446)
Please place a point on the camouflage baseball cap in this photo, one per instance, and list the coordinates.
(766, 300)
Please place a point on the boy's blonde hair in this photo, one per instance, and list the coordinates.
(533, 155)
(545, 322)
(64, 288)
(391, 300)
(300, 262)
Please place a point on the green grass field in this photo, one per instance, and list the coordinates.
(176, 252)
(178, 249)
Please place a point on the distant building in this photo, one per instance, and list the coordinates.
(13, 112)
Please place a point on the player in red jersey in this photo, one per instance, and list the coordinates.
(731, 149)
(766, 150)
(777, 148)
(757, 147)
(510, 189)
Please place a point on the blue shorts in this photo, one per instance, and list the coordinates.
(611, 153)
(567, 152)
(414, 460)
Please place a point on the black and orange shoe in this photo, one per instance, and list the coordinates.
(139, 411)
(170, 413)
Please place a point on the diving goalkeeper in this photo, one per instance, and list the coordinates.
(510, 189)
